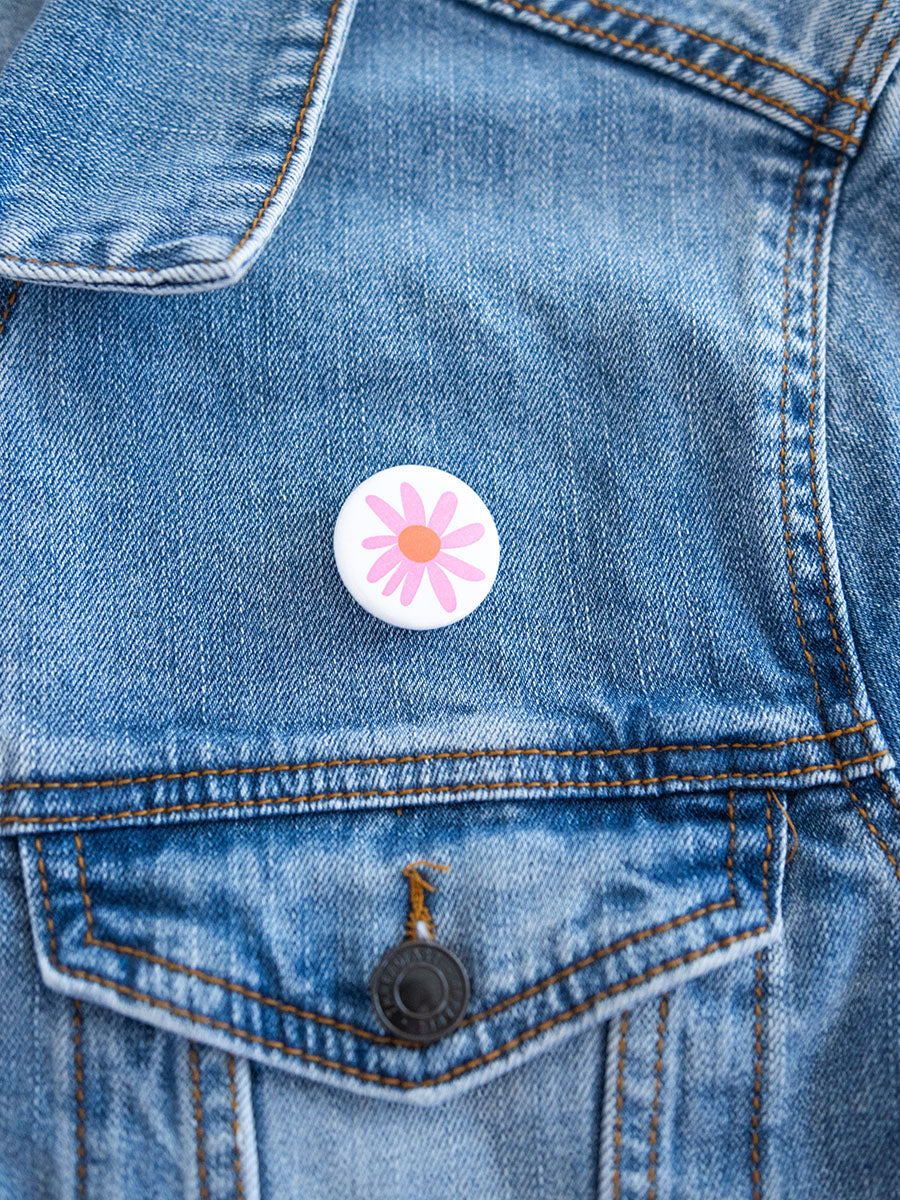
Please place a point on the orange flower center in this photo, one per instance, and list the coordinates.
(418, 543)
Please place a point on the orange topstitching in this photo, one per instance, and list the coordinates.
(197, 1095)
(620, 1104)
(298, 128)
(755, 1174)
(80, 1114)
(357, 1072)
(406, 759)
(642, 48)
(661, 22)
(235, 1130)
(10, 301)
(833, 94)
(441, 789)
(812, 458)
(507, 1002)
(812, 410)
(653, 1152)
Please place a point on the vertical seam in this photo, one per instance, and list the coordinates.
(81, 1156)
(235, 1130)
(810, 660)
(620, 1104)
(756, 1176)
(45, 896)
(801, 180)
(653, 1153)
(197, 1095)
(873, 830)
(814, 389)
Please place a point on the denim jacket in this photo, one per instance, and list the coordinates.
(634, 277)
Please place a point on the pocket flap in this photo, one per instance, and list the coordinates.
(260, 936)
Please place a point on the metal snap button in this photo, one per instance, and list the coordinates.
(420, 991)
(416, 547)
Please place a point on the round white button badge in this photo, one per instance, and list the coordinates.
(416, 547)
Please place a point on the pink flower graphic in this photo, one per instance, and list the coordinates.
(415, 547)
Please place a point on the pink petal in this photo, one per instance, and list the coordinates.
(464, 536)
(413, 579)
(389, 515)
(463, 569)
(376, 543)
(394, 582)
(413, 508)
(443, 588)
(382, 565)
(443, 513)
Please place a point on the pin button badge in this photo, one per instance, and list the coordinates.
(416, 547)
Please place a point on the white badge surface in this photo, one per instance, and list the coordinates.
(416, 547)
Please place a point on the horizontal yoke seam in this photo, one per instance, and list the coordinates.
(622, 943)
(626, 43)
(657, 52)
(441, 789)
(832, 93)
(372, 1076)
(401, 760)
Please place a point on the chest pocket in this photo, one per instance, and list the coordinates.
(260, 936)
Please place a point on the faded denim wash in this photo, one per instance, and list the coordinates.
(632, 276)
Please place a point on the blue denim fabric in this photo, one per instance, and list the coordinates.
(593, 262)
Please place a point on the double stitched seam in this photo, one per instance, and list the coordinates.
(78, 1055)
(270, 196)
(653, 1152)
(205, 976)
(641, 935)
(526, 1035)
(810, 660)
(812, 413)
(197, 1096)
(345, 1027)
(440, 789)
(662, 23)
(235, 1130)
(625, 43)
(707, 72)
(620, 1104)
(875, 832)
(407, 759)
